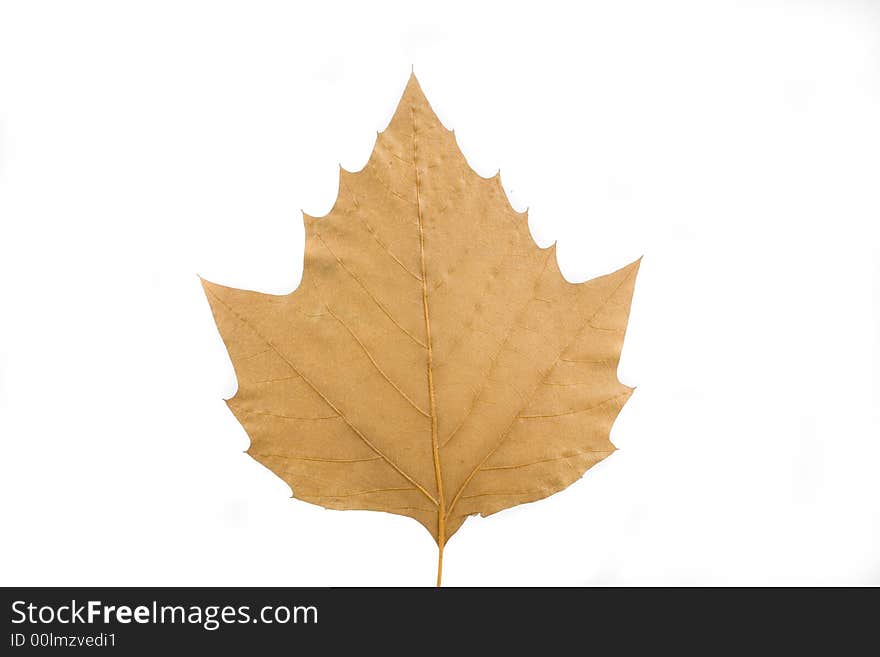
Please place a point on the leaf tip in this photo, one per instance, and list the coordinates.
(207, 286)
(633, 266)
(413, 87)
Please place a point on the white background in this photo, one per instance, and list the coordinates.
(735, 145)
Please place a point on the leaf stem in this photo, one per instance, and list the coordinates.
(439, 564)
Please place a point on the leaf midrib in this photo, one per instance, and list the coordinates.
(432, 399)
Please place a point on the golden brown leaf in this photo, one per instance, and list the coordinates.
(433, 362)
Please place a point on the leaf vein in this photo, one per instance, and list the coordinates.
(374, 363)
(573, 411)
(370, 294)
(289, 417)
(378, 239)
(316, 458)
(497, 353)
(364, 492)
(587, 324)
(348, 422)
(387, 187)
(548, 460)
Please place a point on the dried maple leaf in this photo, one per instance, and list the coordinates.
(433, 362)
